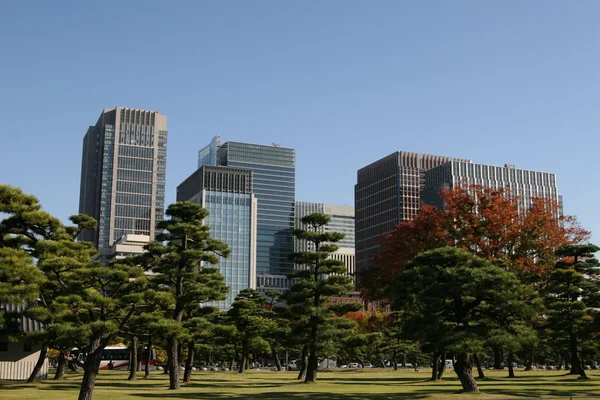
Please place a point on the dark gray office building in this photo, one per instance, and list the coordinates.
(226, 192)
(274, 186)
(387, 192)
(123, 174)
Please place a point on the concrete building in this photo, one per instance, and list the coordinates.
(387, 192)
(226, 192)
(274, 186)
(342, 221)
(523, 183)
(17, 358)
(123, 174)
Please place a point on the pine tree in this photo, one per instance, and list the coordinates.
(175, 261)
(317, 277)
(452, 291)
(573, 295)
(250, 315)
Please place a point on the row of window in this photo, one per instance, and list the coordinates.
(132, 175)
(132, 211)
(134, 187)
(135, 163)
(136, 151)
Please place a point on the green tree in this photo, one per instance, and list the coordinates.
(23, 227)
(450, 290)
(317, 277)
(250, 316)
(573, 294)
(176, 261)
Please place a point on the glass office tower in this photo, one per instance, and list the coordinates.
(123, 174)
(274, 186)
(226, 192)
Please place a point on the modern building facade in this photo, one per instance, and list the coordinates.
(123, 174)
(342, 221)
(226, 192)
(128, 246)
(387, 192)
(274, 186)
(525, 184)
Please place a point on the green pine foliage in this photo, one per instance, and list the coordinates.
(316, 278)
(452, 291)
(176, 262)
(573, 299)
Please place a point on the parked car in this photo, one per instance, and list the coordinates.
(293, 365)
(353, 365)
(368, 365)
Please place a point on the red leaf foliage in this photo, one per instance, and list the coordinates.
(491, 223)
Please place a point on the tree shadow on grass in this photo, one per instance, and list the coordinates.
(285, 395)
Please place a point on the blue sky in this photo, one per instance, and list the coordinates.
(343, 82)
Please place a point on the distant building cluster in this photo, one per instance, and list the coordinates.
(250, 192)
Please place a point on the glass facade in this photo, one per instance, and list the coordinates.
(208, 154)
(274, 186)
(230, 222)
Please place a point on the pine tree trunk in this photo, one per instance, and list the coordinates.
(576, 367)
(511, 370)
(464, 371)
(276, 357)
(498, 358)
(187, 375)
(243, 361)
(480, 373)
(133, 362)
(173, 356)
(380, 360)
(303, 363)
(39, 364)
(530, 357)
(560, 362)
(231, 364)
(312, 365)
(90, 370)
(62, 365)
(148, 358)
(395, 361)
(442, 367)
(435, 363)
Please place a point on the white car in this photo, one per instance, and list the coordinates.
(354, 365)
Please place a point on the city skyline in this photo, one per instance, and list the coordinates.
(406, 76)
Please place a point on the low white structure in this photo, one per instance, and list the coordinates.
(128, 245)
(17, 359)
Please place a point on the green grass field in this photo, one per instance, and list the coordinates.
(345, 384)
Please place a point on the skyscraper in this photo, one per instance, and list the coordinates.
(519, 182)
(342, 221)
(123, 174)
(387, 192)
(226, 192)
(274, 185)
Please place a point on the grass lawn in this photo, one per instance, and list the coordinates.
(373, 384)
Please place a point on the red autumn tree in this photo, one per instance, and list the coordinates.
(492, 223)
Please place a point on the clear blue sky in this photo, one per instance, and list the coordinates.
(342, 82)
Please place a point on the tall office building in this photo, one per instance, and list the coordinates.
(519, 182)
(387, 192)
(342, 221)
(226, 192)
(274, 185)
(123, 174)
